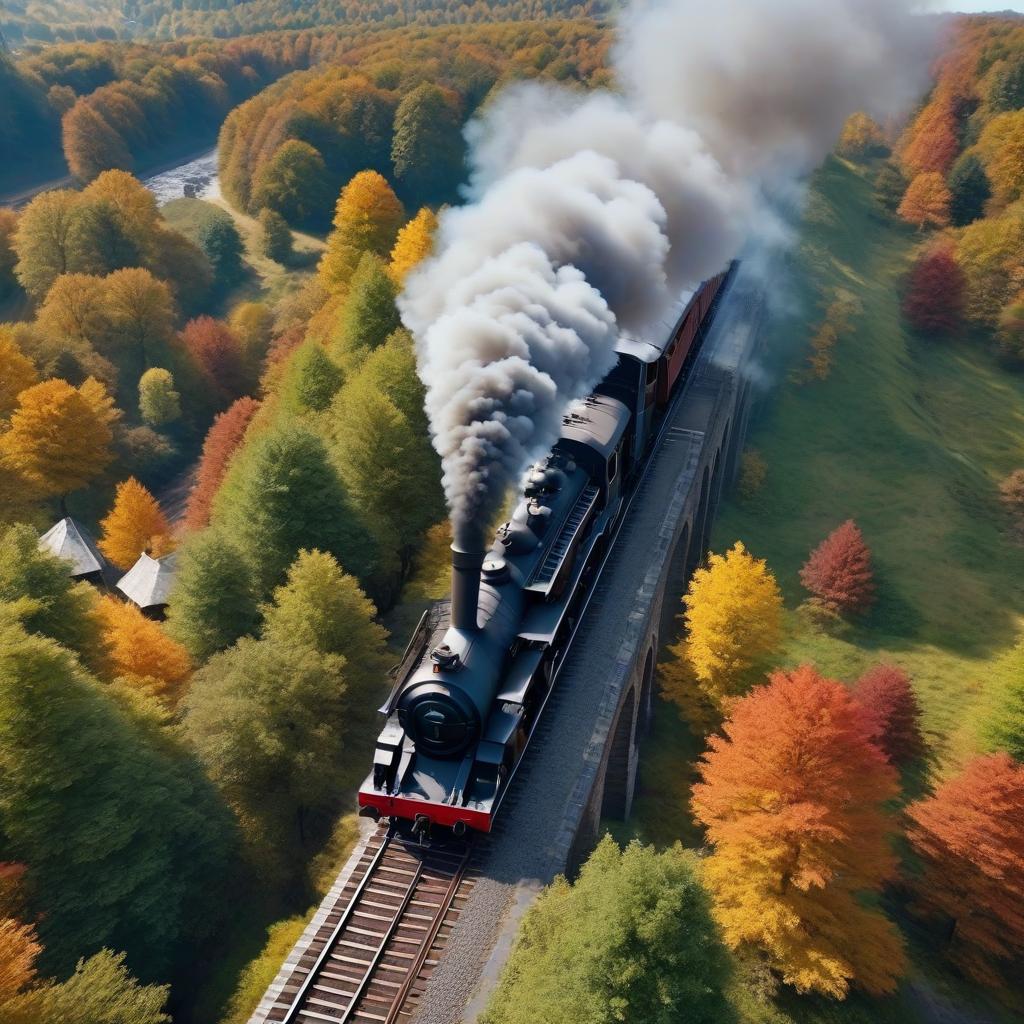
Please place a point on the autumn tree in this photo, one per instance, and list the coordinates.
(275, 236)
(861, 138)
(19, 949)
(631, 939)
(36, 585)
(217, 355)
(59, 440)
(368, 316)
(100, 239)
(733, 624)
(293, 183)
(970, 838)
(41, 241)
(1010, 332)
(988, 252)
(281, 495)
(366, 220)
(926, 201)
(969, 190)
(17, 373)
(931, 143)
(933, 301)
(838, 571)
(214, 600)
(414, 244)
(1011, 492)
(125, 845)
(1006, 88)
(887, 697)
(1001, 148)
(134, 525)
(427, 149)
(8, 256)
(222, 441)
(159, 401)
(312, 379)
(252, 323)
(141, 312)
(799, 840)
(75, 307)
(141, 653)
(91, 145)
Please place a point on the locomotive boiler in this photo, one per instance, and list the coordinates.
(475, 677)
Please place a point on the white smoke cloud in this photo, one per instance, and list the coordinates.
(589, 213)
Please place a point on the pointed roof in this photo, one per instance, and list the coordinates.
(149, 581)
(72, 543)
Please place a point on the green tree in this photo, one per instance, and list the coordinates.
(275, 236)
(969, 185)
(369, 314)
(294, 183)
(99, 240)
(220, 240)
(214, 599)
(312, 380)
(123, 838)
(428, 151)
(1007, 89)
(281, 494)
(631, 940)
(44, 596)
(159, 401)
(890, 184)
(42, 240)
(268, 721)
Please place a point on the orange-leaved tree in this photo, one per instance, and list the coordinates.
(139, 650)
(931, 143)
(366, 219)
(792, 795)
(17, 373)
(926, 201)
(414, 244)
(60, 436)
(135, 525)
(838, 571)
(733, 625)
(222, 441)
(19, 949)
(970, 837)
(888, 700)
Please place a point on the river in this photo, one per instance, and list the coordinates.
(196, 178)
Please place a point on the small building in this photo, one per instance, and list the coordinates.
(148, 583)
(71, 542)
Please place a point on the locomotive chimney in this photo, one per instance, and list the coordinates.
(467, 560)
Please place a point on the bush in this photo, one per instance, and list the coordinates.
(275, 236)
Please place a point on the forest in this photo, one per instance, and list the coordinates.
(222, 392)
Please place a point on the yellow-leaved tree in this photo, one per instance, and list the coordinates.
(135, 525)
(1002, 150)
(366, 219)
(414, 244)
(60, 436)
(17, 373)
(140, 652)
(733, 626)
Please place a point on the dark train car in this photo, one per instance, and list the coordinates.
(474, 678)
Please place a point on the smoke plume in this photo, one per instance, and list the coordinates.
(589, 213)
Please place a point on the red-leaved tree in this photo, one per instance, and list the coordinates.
(222, 440)
(838, 571)
(933, 302)
(970, 837)
(218, 356)
(891, 707)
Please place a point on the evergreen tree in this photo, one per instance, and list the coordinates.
(369, 314)
(312, 379)
(283, 495)
(47, 600)
(631, 940)
(214, 599)
(428, 151)
(275, 236)
(220, 240)
(970, 189)
(125, 846)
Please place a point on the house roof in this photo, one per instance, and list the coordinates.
(72, 543)
(149, 581)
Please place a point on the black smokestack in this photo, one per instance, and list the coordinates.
(467, 561)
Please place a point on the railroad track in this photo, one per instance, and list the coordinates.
(374, 953)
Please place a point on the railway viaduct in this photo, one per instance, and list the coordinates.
(582, 768)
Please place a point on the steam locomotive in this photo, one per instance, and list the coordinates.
(475, 676)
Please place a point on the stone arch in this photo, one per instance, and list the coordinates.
(647, 689)
(700, 521)
(679, 568)
(618, 776)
